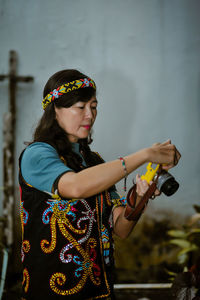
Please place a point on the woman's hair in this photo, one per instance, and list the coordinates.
(48, 129)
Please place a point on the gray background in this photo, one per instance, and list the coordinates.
(145, 58)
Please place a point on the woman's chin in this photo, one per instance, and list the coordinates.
(80, 137)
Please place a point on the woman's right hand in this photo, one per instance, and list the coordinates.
(165, 154)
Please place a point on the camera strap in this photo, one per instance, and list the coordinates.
(132, 212)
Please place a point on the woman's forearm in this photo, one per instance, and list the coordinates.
(122, 227)
(96, 179)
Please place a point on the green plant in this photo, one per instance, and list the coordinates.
(187, 239)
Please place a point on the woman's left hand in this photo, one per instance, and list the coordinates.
(141, 188)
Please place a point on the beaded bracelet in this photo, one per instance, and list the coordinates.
(125, 170)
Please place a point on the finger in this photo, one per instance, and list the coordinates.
(141, 188)
(144, 186)
(178, 155)
(175, 159)
(172, 156)
(141, 185)
(157, 192)
(138, 182)
(138, 190)
(167, 142)
(167, 167)
(137, 177)
(144, 181)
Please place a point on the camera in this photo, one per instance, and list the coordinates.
(165, 182)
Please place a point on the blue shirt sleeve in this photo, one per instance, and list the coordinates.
(41, 166)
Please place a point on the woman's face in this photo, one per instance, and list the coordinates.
(78, 119)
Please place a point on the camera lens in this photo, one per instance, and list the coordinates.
(167, 183)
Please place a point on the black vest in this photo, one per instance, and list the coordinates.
(66, 246)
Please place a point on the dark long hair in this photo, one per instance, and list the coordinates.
(48, 129)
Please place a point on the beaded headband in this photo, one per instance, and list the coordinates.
(66, 88)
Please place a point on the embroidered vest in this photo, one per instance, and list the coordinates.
(66, 247)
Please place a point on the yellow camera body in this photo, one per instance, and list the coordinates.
(149, 175)
(165, 182)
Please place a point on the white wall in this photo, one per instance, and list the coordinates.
(144, 56)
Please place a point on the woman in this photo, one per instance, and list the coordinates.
(69, 205)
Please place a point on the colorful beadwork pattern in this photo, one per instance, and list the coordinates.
(106, 244)
(119, 202)
(24, 220)
(26, 280)
(86, 268)
(62, 215)
(25, 249)
(66, 88)
(72, 238)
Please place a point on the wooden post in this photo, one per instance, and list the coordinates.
(9, 150)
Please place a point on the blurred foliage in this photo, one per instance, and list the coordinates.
(147, 253)
(187, 241)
